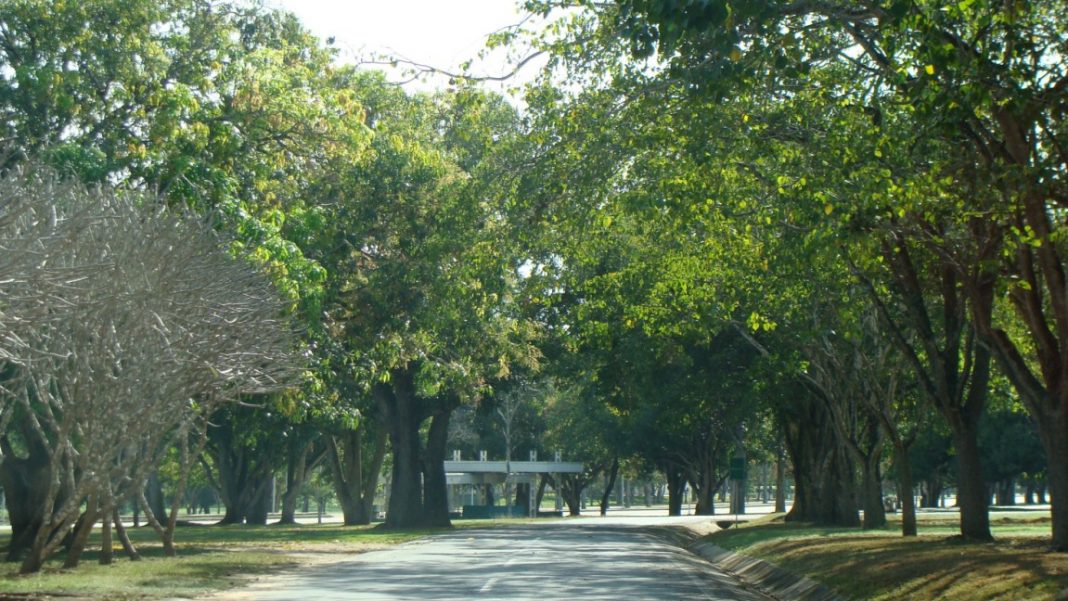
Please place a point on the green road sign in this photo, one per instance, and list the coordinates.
(737, 468)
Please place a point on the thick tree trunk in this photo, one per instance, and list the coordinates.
(404, 418)
(436, 496)
(258, 503)
(570, 489)
(706, 496)
(244, 469)
(838, 506)
(610, 483)
(872, 488)
(297, 470)
(1054, 435)
(676, 486)
(25, 483)
(824, 487)
(355, 489)
(971, 488)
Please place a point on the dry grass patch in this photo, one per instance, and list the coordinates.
(884, 566)
(210, 558)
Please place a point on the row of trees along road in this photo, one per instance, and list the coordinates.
(812, 175)
(825, 231)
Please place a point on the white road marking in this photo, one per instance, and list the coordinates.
(489, 585)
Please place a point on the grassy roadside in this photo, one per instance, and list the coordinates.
(210, 558)
(881, 565)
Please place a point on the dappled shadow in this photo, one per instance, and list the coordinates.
(926, 567)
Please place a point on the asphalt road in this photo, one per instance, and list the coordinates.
(536, 562)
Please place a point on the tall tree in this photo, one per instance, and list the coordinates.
(420, 278)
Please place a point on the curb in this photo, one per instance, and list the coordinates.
(766, 577)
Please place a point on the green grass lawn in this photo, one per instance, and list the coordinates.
(209, 558)
(882, 565)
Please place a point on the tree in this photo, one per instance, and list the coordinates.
(581, 428)
(419, 283)
(156, 296)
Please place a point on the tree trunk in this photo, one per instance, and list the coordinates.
(931, 492)
(904, 489)
(570, 489)
(259, 503)
(154, 495)
(610, 483)
(436, 496)
(542, 482)
(522, 498)
(124, 537)
(1054, 436)
(840, 497)
(780, 482)
(81, 534)
(872, 487)
(297, 469)
(25, 482)
(676, 486)
(404, 418)
(1006, 492)
(824, 487)
(706, 495)
(168, 541)
(971, 488)
(355, 489)
(106, 551)
(243, 468)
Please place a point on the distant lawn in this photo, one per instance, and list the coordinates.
(882, 565)
(209, 558)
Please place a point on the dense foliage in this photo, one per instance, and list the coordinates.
(714, 233)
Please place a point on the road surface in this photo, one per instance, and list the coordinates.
(532, 562)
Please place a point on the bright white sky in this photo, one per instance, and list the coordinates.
(441, 33)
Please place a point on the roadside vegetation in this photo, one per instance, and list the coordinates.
(878, 565)
(209, 559)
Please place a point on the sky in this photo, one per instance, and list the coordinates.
(440, 33)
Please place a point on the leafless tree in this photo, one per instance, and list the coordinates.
(123, 324)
